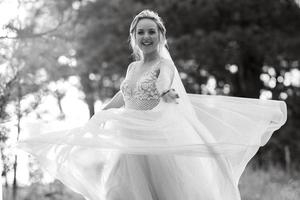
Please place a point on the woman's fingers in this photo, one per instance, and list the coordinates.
(171, 96)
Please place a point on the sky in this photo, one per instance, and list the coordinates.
(9, 10)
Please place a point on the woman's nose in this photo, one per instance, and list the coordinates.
(146, 35)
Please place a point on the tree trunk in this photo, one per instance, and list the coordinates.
(90, 102)
(248, 83)
(15, 186)
(88, 91)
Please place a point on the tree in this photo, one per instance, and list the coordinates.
(32, 59)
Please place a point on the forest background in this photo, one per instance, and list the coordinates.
(50, 49)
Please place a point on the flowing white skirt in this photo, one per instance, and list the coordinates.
(163, 153)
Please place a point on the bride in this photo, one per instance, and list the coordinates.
(153, 141)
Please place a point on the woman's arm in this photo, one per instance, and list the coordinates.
(116, 102)
(164, 82)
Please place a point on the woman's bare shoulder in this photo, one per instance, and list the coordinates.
(132, 65)
(166, 64)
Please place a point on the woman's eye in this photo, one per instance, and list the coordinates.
(152, 32)
(140, 32)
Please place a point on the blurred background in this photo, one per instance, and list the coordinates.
(61, 60)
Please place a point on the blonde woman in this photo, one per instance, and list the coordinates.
(153, 141)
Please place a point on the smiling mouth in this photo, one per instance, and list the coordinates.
(148, 43)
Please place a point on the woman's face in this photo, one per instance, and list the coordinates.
(147, 36)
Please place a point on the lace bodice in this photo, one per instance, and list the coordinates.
(143, 93)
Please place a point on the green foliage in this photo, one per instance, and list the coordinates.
(249, 34)
(37, 191)
(271, 184)
(256, 184)
(103, 49)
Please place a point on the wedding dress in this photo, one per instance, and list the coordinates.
(153, 150)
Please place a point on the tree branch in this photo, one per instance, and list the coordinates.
(22, 33)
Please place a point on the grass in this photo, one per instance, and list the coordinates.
(271, 184)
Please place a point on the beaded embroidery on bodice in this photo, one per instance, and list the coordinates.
(142, 95)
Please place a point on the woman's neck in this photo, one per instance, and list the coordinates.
(150, 57)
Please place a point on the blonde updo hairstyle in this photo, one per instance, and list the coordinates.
(146, 14)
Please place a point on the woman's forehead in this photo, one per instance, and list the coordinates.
(146, 24)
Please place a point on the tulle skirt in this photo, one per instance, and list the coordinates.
(160, 154)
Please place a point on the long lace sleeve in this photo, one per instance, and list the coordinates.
(165, 78)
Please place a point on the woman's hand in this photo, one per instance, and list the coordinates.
(170, 96)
